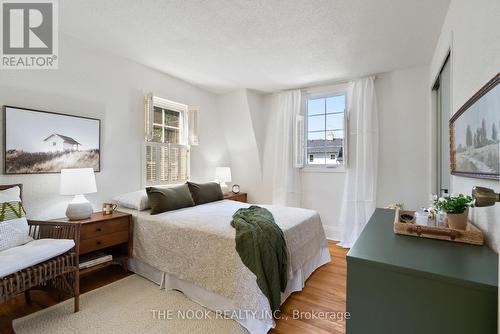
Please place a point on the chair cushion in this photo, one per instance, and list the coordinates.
(13, 224)
(21, 257)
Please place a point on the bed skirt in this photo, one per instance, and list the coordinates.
(217, 302)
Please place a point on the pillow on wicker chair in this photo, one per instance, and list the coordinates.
(14, 230)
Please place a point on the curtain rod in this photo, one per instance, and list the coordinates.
(333, 83)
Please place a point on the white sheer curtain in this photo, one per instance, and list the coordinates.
(286, 178)
(360, 189)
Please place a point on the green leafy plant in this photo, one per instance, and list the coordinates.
(453, 204)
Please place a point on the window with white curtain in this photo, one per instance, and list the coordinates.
(325, 125)
(168, 137)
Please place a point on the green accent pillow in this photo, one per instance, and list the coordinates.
(167, 199)
(205, 192)
(11, 210)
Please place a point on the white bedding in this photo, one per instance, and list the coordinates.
(197, 246)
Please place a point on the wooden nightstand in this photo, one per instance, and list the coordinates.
(110, 233)
(240, 197)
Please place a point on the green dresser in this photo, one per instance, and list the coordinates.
(406, 285)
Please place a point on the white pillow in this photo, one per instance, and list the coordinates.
(138, 200)
(11, 194)
(14, 230)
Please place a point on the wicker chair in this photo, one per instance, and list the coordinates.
(60, 272)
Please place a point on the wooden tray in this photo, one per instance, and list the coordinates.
(471, 235)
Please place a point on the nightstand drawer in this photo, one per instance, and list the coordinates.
(104, 241)
(241, 197)
(94, 230)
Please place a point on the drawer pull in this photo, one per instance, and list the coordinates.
(99, 229)
(98, 242)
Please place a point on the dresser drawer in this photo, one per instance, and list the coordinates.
(104, 241)
(94, 230)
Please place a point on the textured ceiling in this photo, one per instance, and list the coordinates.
(223, 45)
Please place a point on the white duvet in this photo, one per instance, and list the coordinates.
(197, 245)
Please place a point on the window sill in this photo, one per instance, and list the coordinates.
(323, 169)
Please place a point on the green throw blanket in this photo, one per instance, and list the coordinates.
(262, 248)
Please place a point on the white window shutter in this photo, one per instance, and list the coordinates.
(166, 163)
(178, 164)
(148, 116)
(193, 114)
(298, 141)
(151, 155)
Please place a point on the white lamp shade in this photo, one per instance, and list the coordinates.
(77, 181)
(223, 174)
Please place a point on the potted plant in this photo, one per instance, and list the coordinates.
(456, 209)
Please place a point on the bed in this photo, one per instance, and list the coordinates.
(193, 250)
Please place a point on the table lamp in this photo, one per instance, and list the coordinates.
(223, 174)
(78, 182)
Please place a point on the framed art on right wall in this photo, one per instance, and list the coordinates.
(475, 134)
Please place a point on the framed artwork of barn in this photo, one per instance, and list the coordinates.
(475, 136)
(53, 142)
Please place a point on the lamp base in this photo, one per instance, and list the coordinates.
(79, 208)
(224, 187)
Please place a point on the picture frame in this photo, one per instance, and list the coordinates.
(475, 134)
(54, 141)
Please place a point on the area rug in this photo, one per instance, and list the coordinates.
(131, 305)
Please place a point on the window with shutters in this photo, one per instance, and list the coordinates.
(325, 129)
(325, 111)
(166, 157)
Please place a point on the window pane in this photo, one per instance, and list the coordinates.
(331, 158)
(338, 134)
(333, 147)
(325, 130)
(157, 134)
(316, 158)
(315, 136)
(316, 123)
(172, 136)
(335, 104)
(334, 151)
(172, 118)
(335, 121)
(315, 107)
(157, 116)
(316, 148)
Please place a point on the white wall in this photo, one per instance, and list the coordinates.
(471, 31)
(242, 118)
(98, 84)
(404, 137)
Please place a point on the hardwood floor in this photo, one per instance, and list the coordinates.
(325, 291)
